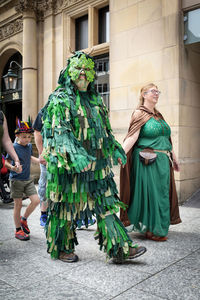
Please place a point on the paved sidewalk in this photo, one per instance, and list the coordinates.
(169, 270)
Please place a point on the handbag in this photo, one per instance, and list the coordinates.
(147, 156)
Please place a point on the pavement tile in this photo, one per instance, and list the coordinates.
(108, 278)
(136, 294)
(5, 287)
(30, 268)
(56, 288)
(173, 283)
(192, 261)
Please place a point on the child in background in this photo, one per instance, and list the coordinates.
(20, 183)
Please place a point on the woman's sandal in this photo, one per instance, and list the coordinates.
(155, 238)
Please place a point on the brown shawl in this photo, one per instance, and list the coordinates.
(138, 119)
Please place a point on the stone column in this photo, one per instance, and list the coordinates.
(92, 27)
(29, 89)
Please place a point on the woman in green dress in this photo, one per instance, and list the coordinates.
(149, 146)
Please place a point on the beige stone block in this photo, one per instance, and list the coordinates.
(150, 67)
(123, 20)
(170, 62)
(133, 96)
(195, 94)
(149, 10)
(189, 93)
(118, 98)
(169, 91)
(8, 14)
(119, 4)
(58, 53)
(189, 3)
(170, 113)
(189, 116)
(189, 143)
(189, 64)
(146, 39)
(171, 30)
(29, 103)
(132, 2)
(120, 119)
(124, 72)
(189, 170)
(119, 46)
(170, 7)
(188, 188)
(185, 91)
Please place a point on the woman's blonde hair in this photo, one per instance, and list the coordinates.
(143, 90)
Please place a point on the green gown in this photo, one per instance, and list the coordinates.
(149, 209)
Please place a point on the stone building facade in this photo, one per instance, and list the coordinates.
(143, 41)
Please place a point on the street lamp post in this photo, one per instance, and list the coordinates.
(10, 78)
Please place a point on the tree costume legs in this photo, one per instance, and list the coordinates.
(61, 235)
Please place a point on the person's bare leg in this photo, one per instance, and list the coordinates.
(31, 207)
(44, 206)
(17, 211)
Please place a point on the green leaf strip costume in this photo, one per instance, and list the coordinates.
(76, 133)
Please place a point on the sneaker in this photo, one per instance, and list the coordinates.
(43, 220)
(24, 225)
(69, 258)
(81, 223)
(21, 235)
(133, 253)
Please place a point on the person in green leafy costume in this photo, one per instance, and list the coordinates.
(80, 149)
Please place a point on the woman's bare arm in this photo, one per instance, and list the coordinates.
(130, 141)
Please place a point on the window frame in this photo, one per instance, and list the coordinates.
(77, 11)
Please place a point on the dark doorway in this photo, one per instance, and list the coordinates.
(11, 100)
(13, 110)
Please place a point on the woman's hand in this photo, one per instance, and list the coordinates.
(175, 162)
(176, 165)
(120, 162)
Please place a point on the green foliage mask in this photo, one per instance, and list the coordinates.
(78, 64)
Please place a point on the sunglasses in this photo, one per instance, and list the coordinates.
(155, 92)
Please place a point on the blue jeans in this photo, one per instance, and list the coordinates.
(42, 184)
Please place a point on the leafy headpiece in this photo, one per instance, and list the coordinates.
(74, 67)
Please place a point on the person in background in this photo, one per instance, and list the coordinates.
(6, 143)
(147, 181)
(20, 183)
(37, 126)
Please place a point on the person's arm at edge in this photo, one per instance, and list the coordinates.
(39, 145)
(7, 144)
(9, 166)
(35, 160)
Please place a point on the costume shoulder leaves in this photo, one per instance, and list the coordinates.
(61, 146)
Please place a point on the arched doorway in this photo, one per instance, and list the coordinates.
(11, 100)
